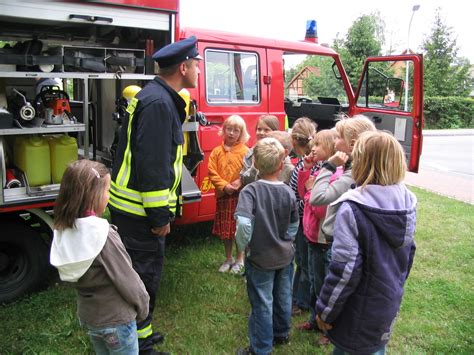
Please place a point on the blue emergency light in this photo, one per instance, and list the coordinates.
(311, 31)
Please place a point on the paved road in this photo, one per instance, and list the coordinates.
(447, 164)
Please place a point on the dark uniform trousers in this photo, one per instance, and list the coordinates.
(147, 251)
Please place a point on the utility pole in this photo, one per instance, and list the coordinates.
(414, 9)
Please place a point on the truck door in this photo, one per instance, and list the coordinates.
(390, 92)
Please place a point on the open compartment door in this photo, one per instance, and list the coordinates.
(390, 92)
(190, 191)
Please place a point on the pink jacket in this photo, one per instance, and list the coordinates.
(313, 216)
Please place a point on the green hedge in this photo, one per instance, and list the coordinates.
(444, 112)
(449, 112)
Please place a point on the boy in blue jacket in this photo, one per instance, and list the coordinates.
(372, 252)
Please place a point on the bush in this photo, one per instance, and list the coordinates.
(449, 112)
(442, 112)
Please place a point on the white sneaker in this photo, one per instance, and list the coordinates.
(237, 268)
(226, 266)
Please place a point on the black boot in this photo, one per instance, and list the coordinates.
(157, 338)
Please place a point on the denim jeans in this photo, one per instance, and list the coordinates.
(318, 268)
(338, 351)
(301, 285)
(269, 293)
(120, 339)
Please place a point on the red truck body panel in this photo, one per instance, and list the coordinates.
(162, 5)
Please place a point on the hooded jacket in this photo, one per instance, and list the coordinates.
(372, 255)
(93, 258)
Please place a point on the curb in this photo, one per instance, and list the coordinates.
(448, 132)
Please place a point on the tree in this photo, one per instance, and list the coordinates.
(445, 73)
(326, 83)
(364, 38)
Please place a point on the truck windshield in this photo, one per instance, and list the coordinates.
(310, 78)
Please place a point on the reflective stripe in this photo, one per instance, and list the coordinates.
(145, 332)
(178, 172)
(155, 198)
(125, 192)
(172, 206)
(124, 173)
(153, 194)
(180, 200)
(178, 167)
(132, 105)
(127, 206)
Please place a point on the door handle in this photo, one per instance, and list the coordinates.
(90, 18)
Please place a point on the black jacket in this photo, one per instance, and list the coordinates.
(147, 170)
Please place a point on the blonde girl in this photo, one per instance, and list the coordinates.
(324, 193)
(225, 164)
(374, 245)
(302, 133)
(265, 125)
(322, 148)
(378, 159)
(88, 252)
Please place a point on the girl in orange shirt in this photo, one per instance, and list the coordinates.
(225, 163)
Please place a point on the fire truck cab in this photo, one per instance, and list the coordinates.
(96, 49)
(252, 76)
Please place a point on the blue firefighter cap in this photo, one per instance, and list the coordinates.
(177, 52)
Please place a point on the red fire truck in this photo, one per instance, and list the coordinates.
(95, 49)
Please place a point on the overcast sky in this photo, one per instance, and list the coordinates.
(287, 19)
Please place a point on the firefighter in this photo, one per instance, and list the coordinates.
(146, 176)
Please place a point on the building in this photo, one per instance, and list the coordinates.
(295, 86)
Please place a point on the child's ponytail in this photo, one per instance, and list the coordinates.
(303, 132)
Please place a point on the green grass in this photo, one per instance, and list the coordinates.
(205, 312)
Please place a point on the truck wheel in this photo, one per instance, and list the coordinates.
(24, 261)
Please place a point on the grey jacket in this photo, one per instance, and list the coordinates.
(324, 193)
(248, 173)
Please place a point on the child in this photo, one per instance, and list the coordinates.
(267, 221)
(324, 193)
(302, 134)
(373, 250)
(265, 125)
(224, 166)
(285, 139)
(322, 148)
(88, 252)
